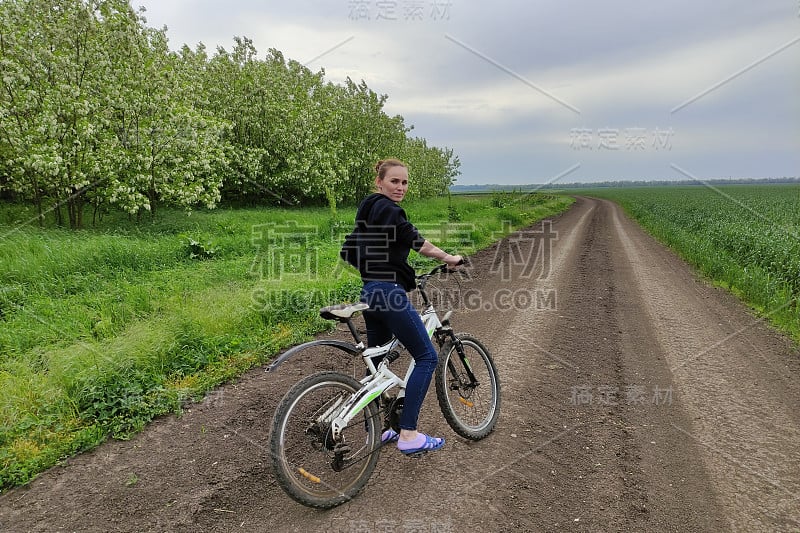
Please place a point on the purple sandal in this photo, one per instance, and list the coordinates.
(388, 436)
(430, 444)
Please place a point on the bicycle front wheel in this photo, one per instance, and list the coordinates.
(468, 388)
(309, 464)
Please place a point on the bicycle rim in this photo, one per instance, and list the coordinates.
(310, 466)
(470, 407)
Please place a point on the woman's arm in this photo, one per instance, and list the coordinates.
(431, 250)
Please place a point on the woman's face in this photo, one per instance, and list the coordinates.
(394, 183)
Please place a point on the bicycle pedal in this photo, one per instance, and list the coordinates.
(342, 448)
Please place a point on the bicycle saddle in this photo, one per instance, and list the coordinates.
(341, 311)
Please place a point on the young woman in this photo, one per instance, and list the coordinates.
(385, 240)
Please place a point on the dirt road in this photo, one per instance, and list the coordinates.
(636, 398)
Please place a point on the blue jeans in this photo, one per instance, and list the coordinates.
(391, 313)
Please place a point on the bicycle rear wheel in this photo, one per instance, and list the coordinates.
(468, 388)
(309, 465)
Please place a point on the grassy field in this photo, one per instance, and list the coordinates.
(745, 238)
(105, 328)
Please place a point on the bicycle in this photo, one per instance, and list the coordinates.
(326, 438)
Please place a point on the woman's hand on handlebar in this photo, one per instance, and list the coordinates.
(454, 261)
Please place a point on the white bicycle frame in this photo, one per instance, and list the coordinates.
(379, 380)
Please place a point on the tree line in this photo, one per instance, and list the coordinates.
(97, 113)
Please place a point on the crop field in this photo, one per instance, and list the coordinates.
(105, 328)
(745, 238)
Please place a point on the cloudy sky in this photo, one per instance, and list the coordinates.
(549, 91)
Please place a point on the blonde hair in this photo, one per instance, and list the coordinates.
(383, 166)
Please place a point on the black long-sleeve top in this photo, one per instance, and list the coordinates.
(385, 239)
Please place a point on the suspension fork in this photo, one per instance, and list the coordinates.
(461, 355)
(444, 334)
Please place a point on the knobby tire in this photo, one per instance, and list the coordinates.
(470, 407)
(303, 452)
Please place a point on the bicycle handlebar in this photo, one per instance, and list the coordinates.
(444, 267)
